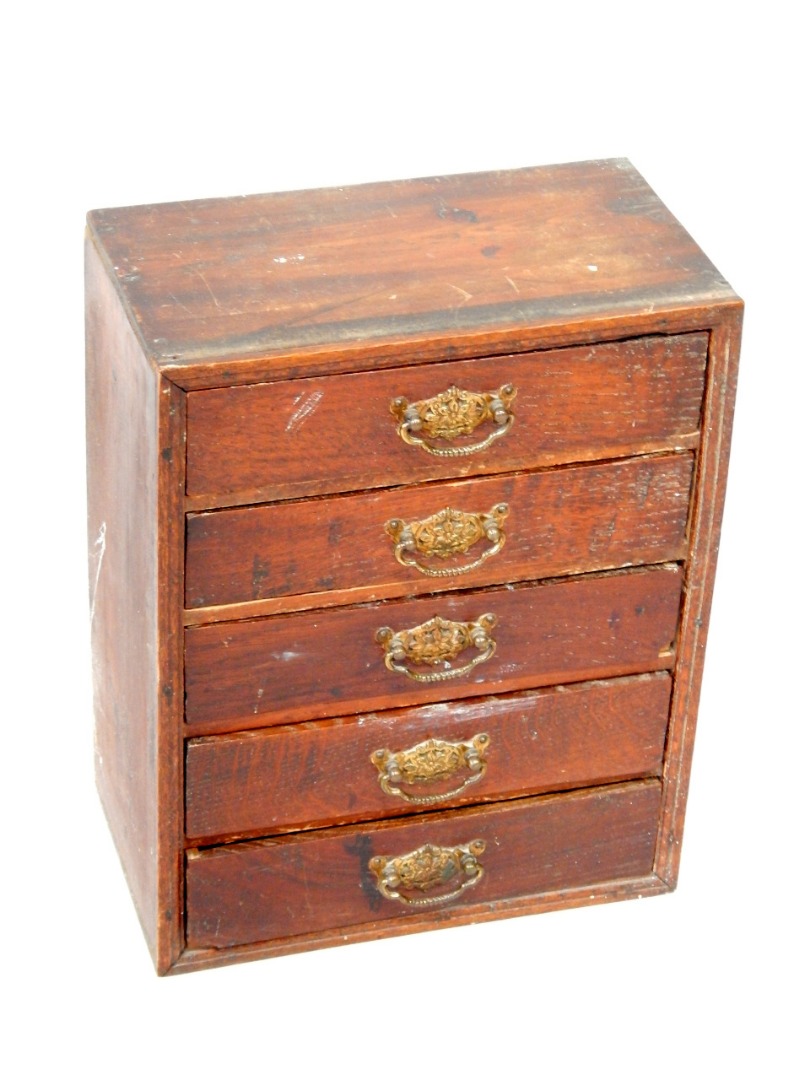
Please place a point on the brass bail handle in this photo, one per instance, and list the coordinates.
(429, 762)
(435, 643)
(445, 535)
(405, 877)
(454, 414)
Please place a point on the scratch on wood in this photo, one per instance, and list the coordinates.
(182, 305)
(304, 410)
(201, 276)
(463, 293)
(99, 547)
(514, 286)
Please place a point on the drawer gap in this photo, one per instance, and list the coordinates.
(425, 820)
(193, 844)
(387, 360)
(231, 615)
(681, 444)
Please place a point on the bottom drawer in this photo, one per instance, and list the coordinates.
(271, 889)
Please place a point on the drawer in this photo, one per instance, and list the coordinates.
(560, 521)
(336, 771)
(321, 664)
(264, 890)
(314, 436)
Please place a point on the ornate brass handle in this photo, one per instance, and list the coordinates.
(430, 761)
(450, 532)
(428, 867)
(452, 414)
(437, 642)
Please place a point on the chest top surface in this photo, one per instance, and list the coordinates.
(224, 280)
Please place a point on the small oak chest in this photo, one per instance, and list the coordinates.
(404, 505)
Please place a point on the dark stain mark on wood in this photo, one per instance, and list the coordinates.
(644, 486)
(311, 768)
(261, 571)
(455, 213)
(360, 846)
(490, 250)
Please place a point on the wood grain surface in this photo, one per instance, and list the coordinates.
(316, 436)
(135, 545)
(330, 551)
(215, 283)
(707, 516)
(328, 663)
(315, 774)
(242, 359)
(262, 890)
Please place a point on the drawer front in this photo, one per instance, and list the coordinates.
(265, 890)
(337, 771)
(331, 663)
(506, 528)
(316, 436)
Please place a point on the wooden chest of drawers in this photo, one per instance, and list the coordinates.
(404, 504)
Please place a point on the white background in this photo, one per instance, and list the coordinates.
(110, 104)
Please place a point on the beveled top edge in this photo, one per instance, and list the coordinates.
(378, 265)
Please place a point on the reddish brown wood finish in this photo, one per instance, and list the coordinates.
(303, 667)
(544, 274)
(316, 436)
(705, 541)
(311, 775)
(135, 551)
(261, 890)
(601, 892)
(232, 290)
(560, 522)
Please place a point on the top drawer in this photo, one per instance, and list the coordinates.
(315, 436)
